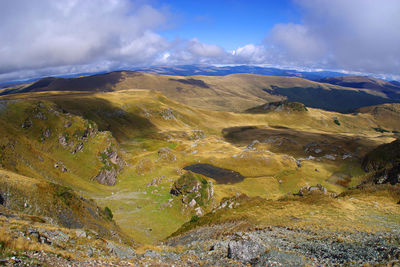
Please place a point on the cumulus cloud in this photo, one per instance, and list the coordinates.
(250, 54)
(47, 33)
(47, 37)
(193, 52)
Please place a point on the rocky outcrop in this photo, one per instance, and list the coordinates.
(384, 162)
(106, 177)
(112, 165)
(194, 191)
(307, 190)
(63, 140)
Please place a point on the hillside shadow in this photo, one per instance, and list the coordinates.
(332, 100)
(122, 124)
(299, 143)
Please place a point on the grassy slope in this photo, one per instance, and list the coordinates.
(136, 118)
(55, 203)
(371, 209)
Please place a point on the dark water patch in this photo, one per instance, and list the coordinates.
(222, 176)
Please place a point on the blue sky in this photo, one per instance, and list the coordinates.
(47, 37)
(228, 23)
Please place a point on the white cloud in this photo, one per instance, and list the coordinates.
(358, 35)
(45, 33)
(200, 49)
(250, 54)
(47, 37)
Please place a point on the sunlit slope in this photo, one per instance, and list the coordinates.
(157, 137)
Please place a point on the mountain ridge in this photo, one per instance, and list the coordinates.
(233, 92)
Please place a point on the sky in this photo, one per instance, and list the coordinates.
(46, 37)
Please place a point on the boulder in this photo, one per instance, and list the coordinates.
(120, 251)
(246, 251)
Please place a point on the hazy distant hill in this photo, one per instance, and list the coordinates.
(236, 92)
(208, 70)
(189, 70)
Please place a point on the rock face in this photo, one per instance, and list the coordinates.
(384, 161)
(112, 166)
(107, 177)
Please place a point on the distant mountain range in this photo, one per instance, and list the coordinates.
(190, 70)
(208, 70)
(234, 92)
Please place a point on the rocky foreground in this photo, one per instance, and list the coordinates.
(206, 246)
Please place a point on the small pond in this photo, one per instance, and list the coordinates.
(222, 176)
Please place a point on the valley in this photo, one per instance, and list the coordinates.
(165, 165)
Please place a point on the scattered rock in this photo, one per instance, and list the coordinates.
(40, 116)
(62, 140)
(47, 133)
(306, 190)
(80, 233)
(156, 181)
(192, 203)
(67, 124)
(166, 154)
(199, 211)
(252, 145)
(78, 148)
(27, 124)
(168, 114)
(197, 135)
(120, 250)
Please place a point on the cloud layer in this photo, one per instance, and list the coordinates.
(48, 37)
(358, 35)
